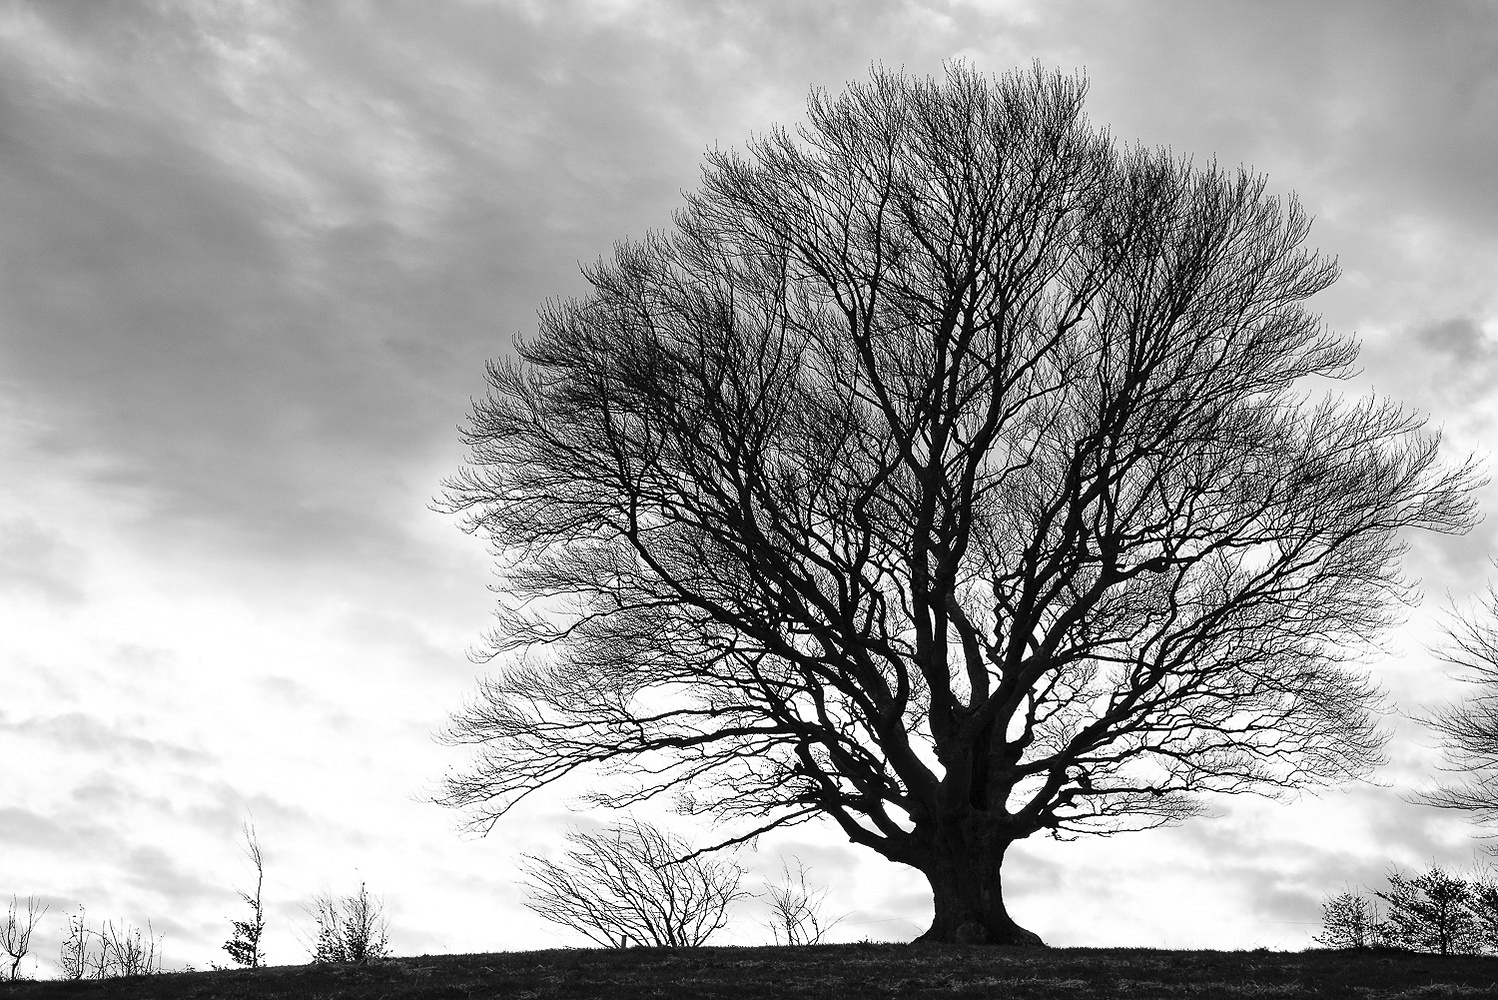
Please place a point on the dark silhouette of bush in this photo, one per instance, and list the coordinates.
(1431, 912)
(351, 930)
(109, 952)
(633, 884)
(1435, 912)
(1349, 920)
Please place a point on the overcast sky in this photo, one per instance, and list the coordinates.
(253, 258)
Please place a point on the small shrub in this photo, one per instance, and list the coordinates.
(353, 929)
(1348, 920)
(125, 952)
(76, 958)
(796, 909)
(108, 952)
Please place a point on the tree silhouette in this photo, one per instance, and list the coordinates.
(244, 946)
(948, 471)
(1431, 912)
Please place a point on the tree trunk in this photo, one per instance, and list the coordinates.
(968, 893)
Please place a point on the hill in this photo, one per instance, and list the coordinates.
(831, 972)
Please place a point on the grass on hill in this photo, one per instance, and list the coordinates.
(828, 972)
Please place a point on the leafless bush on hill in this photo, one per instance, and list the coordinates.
(110, 951)
(125, 951)
(796, 908)
(15, 932)
(351, 929)
(633, 884)
(75, 957)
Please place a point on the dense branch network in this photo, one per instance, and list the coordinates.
(633, 885)
(946, 464)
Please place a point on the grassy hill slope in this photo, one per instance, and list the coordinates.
(832, 972)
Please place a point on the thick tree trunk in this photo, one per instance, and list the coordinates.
(969, 897)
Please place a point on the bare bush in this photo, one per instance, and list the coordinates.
(15, 932)
(1349, 920)
(110, 951)
(125, 951)
(633, 884)
(351, 929)
(77, 958)
(796, 908)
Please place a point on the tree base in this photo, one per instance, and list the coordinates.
(972, 932)
(967, 896)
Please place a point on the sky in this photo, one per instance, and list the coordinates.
(254, 257)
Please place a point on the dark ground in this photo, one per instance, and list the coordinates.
(831, 972)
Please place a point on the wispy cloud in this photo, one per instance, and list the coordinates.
(75, 732)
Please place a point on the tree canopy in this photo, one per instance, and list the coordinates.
(951, 471)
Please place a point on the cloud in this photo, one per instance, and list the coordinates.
(37, 559)
(1388, 105)
(25, 828)
(188, 311)
(1463, 343)
(76, 732)
(276, 259)
(150, 868)
(1462, 367)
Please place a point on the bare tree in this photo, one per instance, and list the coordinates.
(244, 946)
(950, 472)
(633, 884)
(15, 932)
(796, 908)
(352, 929)
(1468, 729)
